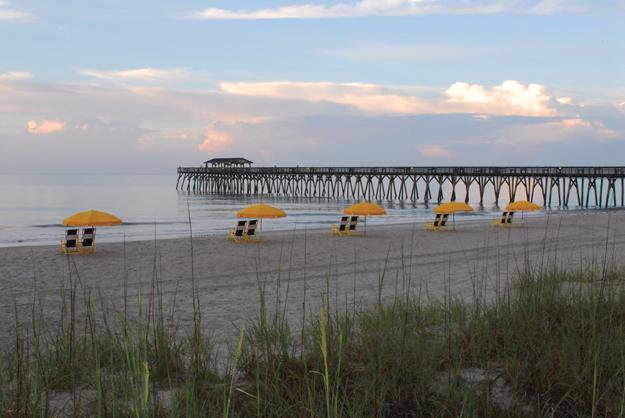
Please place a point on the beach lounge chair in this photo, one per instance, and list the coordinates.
(509, 220)
(439, 223)
(237, 233)
(505, 220)
(87, 242)
(340, 229)
(70, 242)
(250, 232)
(353, 223)
(501, 221)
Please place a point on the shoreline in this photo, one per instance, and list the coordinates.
(464, 220)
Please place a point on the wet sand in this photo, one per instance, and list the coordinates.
(475, 260)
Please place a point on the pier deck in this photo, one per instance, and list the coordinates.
(559, 186)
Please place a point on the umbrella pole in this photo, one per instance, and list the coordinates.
(365, 225)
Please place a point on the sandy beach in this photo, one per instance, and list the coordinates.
(475, 260)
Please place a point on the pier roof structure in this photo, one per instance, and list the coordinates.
(228, 162)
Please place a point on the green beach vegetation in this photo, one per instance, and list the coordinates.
(552, 344)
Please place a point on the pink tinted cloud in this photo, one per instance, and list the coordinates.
(434, 151)
(43, 127)
(215, 140)
(369, 98)
(168, 137)
(11, 15)
(509, 98)
(148, 74)
(15, 75)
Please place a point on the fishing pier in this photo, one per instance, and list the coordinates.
(555, 186)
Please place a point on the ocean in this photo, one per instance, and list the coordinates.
(33, 206)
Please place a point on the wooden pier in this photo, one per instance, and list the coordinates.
(555, 186)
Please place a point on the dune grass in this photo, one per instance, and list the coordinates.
(552, 344)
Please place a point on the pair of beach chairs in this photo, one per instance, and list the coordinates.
(244, 231)
(439, 223)
(346, 226)
(505, 220)
(75, 243)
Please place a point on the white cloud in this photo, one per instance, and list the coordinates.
(147, 74)
(45, 126)
(565, 100)
(419, 52)
(364, 8)
(12, 15)
(356, 9)
(546, 7)
(509, 98)
(370, 98)
(15, 75)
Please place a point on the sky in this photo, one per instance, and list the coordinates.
(145, 86)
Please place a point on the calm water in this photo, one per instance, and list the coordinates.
(32, 207)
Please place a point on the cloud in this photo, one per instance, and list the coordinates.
(148, 75)
(215, 140)
(149, 129)
(370, 98)
(365, 8)
(565, 100)
(157, 138)
(15, 75)
(433, 151)
(573, 123)
(380, 52)
(509, 98)
(45, 126)
(546, 7)
(345, 10)
(423, 139)
(12, 15)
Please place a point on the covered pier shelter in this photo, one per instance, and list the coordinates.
(237, 162)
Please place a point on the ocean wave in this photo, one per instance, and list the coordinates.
(155, 223)
(124, 224)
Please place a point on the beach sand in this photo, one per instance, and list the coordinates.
(476, 259)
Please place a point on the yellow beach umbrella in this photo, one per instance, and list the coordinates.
(451, 208)
(92, 218)
(261, 211)
(522, 206)
(365, 209)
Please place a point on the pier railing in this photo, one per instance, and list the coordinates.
(583, 185)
